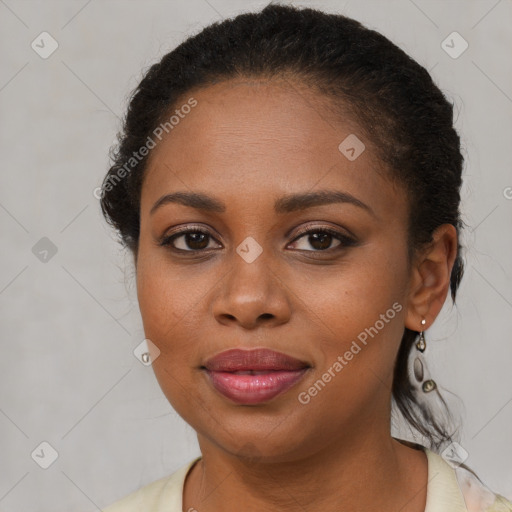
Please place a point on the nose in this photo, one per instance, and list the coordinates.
(252, 294)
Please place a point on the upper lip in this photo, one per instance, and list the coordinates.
(256, 359)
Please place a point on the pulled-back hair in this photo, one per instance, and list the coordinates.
(403, 115)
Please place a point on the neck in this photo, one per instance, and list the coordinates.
(360, 474)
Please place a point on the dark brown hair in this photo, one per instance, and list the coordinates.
(402, 113)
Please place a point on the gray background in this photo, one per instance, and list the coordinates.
(70, 321)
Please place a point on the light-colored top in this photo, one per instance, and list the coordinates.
(450, 488)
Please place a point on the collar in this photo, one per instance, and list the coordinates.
(443, 491)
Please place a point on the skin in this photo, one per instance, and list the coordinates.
(248, 144)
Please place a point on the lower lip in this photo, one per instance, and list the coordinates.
(254, 389)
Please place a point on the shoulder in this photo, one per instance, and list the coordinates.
(453, 486)
(166, 492)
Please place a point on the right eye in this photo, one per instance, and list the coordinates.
(193, 237)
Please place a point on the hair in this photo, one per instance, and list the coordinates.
(404, 116)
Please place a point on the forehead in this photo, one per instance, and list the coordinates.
(270, 138)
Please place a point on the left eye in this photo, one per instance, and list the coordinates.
(321, 239)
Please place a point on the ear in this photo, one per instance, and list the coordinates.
(430, 278)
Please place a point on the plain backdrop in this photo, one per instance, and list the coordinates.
(69, 317)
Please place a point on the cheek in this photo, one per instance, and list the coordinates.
(157, 293)
(360, 310)
(171, 300)
(358, 291)
(166, 304)
(153, 297)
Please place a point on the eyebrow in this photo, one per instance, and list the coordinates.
(286, 204)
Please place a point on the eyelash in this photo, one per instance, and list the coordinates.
(345, 241)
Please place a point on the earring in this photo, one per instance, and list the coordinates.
(421, 344)
(418, 370)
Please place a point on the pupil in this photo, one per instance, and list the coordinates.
(196, 239)
(322, 237)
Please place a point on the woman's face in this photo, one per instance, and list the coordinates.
(256, 281)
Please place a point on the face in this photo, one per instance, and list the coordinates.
(325, 282)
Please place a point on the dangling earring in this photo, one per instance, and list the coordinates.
(421, 344)
(429, 385)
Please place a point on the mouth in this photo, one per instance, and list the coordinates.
(253, 376)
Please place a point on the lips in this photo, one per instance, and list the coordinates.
(260, 360)
(250, 377)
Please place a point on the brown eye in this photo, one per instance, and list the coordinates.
(321, 239)
(190, 240)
